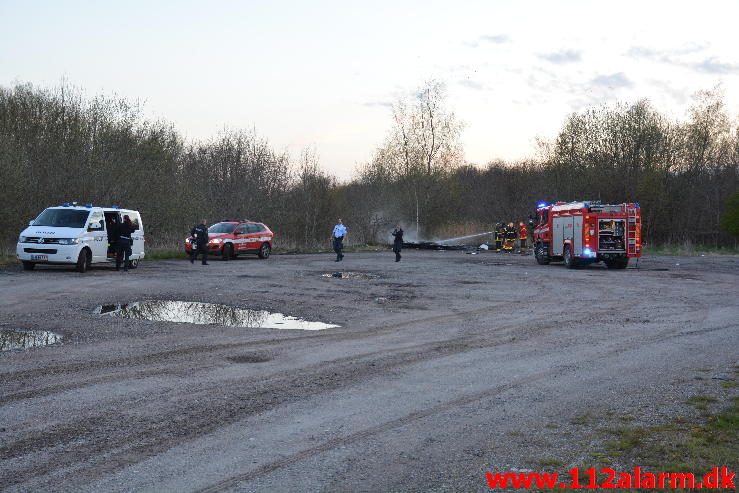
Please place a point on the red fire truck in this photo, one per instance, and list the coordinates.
(579, 233)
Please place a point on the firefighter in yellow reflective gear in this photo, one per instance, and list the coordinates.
(499, 229)
(509, 237)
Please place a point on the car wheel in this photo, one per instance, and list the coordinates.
(265, 250)
(228, 252)
(569, 259)
(28, 265)
(83, 261)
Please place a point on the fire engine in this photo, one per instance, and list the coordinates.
(579, 233)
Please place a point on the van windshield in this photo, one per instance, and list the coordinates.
(219, 228)
(62, 218)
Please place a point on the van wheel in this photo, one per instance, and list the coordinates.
(541, 254)
(264, 251)
(83, 261)
(570, 262)
(132, 264)
(228, 252)
(28, 265)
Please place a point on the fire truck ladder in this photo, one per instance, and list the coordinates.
(633, 227)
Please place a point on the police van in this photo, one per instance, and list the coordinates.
(78, 235)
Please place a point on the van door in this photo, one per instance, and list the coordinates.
(137, 246)
(97, 236)
(112, 218)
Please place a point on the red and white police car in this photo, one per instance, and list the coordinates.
(233, 237)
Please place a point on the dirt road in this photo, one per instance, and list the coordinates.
(446, 365)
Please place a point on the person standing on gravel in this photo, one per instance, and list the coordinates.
(123, 243)
(498, 236)
(338, 236)
(398, 242)
(200, 233)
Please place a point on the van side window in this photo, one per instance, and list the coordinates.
(253, 228)
(241, 230)
(136, 220)
(96, 218)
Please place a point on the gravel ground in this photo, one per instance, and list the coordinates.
(445, 366)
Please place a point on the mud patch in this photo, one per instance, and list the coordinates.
(250, 358)
(207, 314)
(351, 275)
(26, 339)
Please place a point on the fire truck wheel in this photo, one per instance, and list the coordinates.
(228, 252)
(541, 254)
(570, 262)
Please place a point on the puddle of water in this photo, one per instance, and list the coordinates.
(192, 312)
(250, 358)
(351, 275)
(26, 339)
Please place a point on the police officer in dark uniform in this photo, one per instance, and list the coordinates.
(123, 243)
(398, 241)
(200, 234)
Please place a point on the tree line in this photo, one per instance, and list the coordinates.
(58, 145)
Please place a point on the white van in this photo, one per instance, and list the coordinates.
(73, 234)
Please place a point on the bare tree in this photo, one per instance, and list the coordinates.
(423, 145)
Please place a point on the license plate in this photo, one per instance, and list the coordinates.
(40, 258)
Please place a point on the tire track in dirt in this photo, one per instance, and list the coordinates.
(323, 379)
(188, 424)
(235, 480)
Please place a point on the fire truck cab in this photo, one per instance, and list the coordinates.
(579, 233)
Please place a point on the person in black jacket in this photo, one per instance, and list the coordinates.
(200, 233)
(398, 242)
(123, 243)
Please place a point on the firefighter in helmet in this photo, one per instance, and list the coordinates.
(523, 236)
(499, 233)
(509, 237)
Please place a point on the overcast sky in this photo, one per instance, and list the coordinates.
(324, 74)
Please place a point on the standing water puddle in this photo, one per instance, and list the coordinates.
(25, 339)
(208, 314)
(351, 275)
